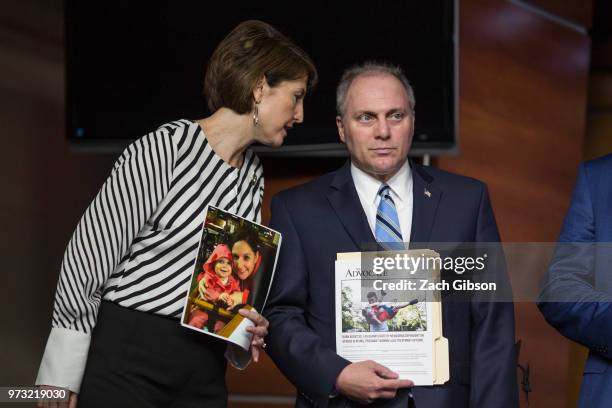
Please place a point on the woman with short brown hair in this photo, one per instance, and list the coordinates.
(116, 338)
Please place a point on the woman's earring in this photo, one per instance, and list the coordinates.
(256, 115)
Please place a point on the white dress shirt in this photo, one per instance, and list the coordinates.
(401, 191)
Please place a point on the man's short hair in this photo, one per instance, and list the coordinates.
(251, 51)
(370, 68)
(371, 294)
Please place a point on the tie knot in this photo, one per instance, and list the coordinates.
(384, 190)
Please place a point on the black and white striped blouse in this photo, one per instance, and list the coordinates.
(137, 242)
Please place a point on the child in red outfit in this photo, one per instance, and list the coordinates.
(215, 285)
(377, 313)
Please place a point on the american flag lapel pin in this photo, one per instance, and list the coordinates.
(427, 193)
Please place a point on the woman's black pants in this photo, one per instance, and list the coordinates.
(144, 360)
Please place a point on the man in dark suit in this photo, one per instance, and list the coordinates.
(340, 212)
(576, 297)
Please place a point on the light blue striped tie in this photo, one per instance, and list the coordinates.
(388, 232)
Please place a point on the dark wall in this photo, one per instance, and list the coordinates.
(46, 186)
(524, 80)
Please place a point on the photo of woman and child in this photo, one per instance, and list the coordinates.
(234, 250)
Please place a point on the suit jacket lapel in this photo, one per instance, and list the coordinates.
(426, 198)
(345, 202)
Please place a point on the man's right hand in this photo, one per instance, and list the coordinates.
(367, 381)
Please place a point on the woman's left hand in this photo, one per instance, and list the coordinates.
(259, 331)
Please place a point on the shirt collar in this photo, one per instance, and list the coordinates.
(367, 186)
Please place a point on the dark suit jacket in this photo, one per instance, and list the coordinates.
(324, 217)
(576, 297)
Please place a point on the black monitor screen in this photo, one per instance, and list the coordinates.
(132, 66)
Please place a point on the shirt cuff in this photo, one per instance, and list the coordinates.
(63, 363)
(237, 357)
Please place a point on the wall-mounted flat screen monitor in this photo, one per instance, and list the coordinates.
(132, 66)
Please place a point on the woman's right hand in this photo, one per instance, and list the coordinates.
(71, 403)
(202, 288)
